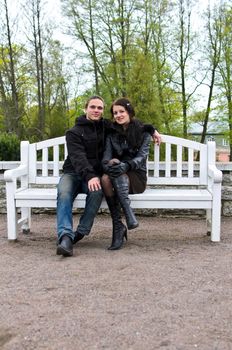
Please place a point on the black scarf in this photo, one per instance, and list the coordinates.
(134, 132)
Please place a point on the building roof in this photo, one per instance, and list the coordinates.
(213, 128)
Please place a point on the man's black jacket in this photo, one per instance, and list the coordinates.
(85, 143)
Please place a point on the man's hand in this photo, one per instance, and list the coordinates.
(94, 184)
(157, 138)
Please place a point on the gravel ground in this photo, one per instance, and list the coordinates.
(168, 288)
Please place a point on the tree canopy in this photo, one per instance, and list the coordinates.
(152, 51)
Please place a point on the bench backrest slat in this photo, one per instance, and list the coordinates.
(32, 163)
(45, 161)
(168, 160)
(190, 162)
(157, 163)
(56, 160)
(167, 165)
(65, 151)
(203, 165)
(179, 161)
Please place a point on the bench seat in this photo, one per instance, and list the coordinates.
(154, 198)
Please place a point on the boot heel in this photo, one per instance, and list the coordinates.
(132, 226)
(125, 234)
(118, 239)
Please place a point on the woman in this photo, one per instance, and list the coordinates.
(124, 165)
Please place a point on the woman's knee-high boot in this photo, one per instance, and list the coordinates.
(121, 186)
(119, 229)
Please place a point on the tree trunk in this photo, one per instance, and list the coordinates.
(15, 114)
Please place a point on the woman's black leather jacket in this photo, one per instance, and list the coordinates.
(130, 146)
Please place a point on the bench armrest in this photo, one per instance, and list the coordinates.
(215, 174)
(12, 174)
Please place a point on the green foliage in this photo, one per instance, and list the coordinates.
(154, 103)
(1, 120)
(141, 89)
(56, 122)
(9, 147)
(77, 107)
(133, 50)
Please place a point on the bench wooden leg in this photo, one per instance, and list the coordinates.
(216, 214)
(12, 224)
(26, 218)
(209, 221)
(11, 212)
(216, 226)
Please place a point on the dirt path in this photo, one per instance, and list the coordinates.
(169, 288)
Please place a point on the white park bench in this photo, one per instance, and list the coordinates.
(172, 182)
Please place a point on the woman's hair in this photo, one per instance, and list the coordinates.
(124, 102)
(94, 97)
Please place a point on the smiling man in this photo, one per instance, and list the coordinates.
(82, 171)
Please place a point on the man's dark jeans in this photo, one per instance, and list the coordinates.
(69, 187)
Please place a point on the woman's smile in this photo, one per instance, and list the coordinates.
(121, 116)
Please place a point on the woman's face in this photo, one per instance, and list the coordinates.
(121, 116)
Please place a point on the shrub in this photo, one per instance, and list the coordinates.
(9, 147)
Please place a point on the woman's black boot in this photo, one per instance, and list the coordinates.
(119, 229)
(121, 186)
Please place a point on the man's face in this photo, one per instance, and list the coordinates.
(94, 109)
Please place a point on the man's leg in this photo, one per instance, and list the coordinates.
(67, 190)
(93, 203)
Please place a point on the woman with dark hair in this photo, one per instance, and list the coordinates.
(124, 165)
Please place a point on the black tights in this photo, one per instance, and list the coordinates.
(107, 185)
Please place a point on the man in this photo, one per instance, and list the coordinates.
(82, 172)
